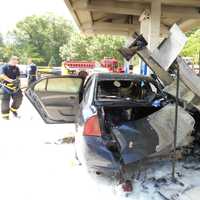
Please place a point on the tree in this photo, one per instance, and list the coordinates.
(1, 47)
(52, 62)
(40, 37)
(192, 47)
(92, 48)
(76, 49)
(1, 40)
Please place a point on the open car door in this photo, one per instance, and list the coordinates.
(56, 98)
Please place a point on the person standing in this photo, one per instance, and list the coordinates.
(10, 83)
(31, 72)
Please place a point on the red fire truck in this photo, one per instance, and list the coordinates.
(111, 64)
(78, 67)
(83, 67)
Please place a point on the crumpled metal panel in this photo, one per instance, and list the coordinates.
(184, 93)
(162, 122)
(192, 194)
(165, 77)
(165, 54)
(162, 58)
(170, 48)
(189, 77)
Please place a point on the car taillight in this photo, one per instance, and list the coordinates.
(92, 127)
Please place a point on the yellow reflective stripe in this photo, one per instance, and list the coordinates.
(5, 114)
(13, 109)
(11, 88)
(9, 84)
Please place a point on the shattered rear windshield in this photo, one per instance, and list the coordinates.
(109, 90)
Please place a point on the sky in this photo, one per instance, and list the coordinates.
(13, 11)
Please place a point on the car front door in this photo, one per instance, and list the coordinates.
(56, 98)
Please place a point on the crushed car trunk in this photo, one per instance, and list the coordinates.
(134, 141)
(139, 118)
(140, 132)
(149, 131)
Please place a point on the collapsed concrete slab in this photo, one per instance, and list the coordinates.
(162, 122)
(165, 57)
(192, 194)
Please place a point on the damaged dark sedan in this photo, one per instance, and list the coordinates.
(123, 119)
(120, 120)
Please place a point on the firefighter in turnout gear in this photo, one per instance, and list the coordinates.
(31, 72)
(10, 84)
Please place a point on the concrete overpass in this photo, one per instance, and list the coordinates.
(123, 17)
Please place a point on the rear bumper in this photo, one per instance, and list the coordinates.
(93, 153)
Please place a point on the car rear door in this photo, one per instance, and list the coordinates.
(56, 98)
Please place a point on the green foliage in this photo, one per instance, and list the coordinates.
(49, 39)
(192, 47)
(52, 62)
(1, 52)
(76, 48)
(1, 48)
(6, 50)
(40, 37)
(1, 40)
(92, 47)
(192, 31)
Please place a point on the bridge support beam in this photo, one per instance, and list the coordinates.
(150, 27)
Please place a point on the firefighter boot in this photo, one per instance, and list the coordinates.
(14, 112)
(5, 116)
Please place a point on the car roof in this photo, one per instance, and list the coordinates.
(118, 76)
